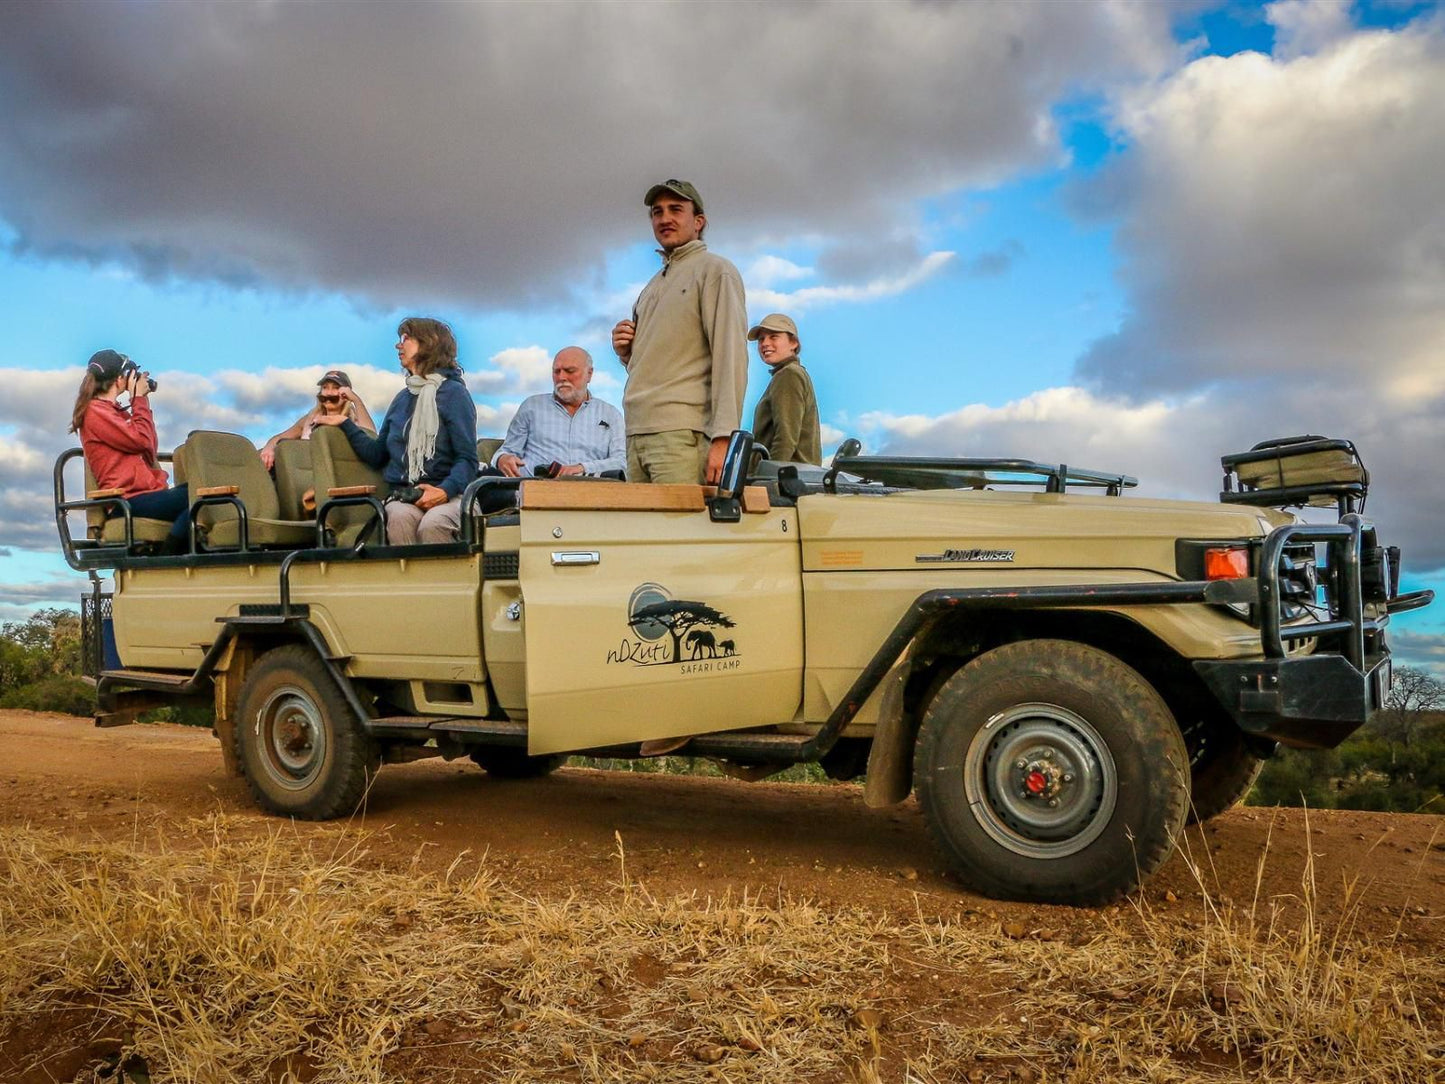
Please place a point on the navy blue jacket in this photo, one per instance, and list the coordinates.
(454, 463)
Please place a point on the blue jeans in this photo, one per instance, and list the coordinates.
(173, 504)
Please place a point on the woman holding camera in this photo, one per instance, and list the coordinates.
(334, 395)
(427, 445)
(120, 443)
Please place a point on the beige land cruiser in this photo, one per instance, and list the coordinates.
(1063, 674)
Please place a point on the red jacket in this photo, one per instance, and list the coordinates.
(120, 446)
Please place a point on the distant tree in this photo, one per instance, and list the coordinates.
(1412, 694)
(678, 617)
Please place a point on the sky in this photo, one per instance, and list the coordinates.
(1130, 236)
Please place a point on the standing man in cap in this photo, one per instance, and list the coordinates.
(786, 417)
(334, 395)
(684, 350)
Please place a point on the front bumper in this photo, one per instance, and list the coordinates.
(1316, 700)
(1307, 701)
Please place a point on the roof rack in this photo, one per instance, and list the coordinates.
(917, 472)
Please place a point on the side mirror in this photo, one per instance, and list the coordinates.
(847, 450)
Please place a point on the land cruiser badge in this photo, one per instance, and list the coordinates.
(967, 556)
(668, 631)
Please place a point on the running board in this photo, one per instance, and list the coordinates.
(147, 679)
(495, 731)
(745, 746)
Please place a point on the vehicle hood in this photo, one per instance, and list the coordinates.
(1003, 529)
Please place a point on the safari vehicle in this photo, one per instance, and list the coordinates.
(1063, 674)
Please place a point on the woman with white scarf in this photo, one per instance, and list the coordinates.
(428, 440)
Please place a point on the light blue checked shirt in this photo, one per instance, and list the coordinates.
(543, 433)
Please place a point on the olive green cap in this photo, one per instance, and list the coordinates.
(775, 321)
(677, 188)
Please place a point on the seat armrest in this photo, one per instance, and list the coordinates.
(218, 491)
(101, 494)
(351, 491)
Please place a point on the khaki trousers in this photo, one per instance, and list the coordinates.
(677, 457)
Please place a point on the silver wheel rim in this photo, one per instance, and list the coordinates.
(292, 738)
(1040, 780)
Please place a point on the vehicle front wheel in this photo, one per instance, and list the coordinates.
(1051, 771)
(510, 762)
(300, 745)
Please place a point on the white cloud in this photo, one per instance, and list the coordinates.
(768, 271)
(1307, 26)
(1284, 217)
(760, 297)
(287, 144)
(518, 370)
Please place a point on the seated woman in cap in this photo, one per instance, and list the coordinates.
(334, 395)
(120, 443)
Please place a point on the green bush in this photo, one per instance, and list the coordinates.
(67, 695)
(1366, 772)
(186, 714)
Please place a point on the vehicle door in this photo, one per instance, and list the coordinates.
(645, 618)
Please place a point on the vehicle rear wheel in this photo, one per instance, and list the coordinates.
(1050, 771)
(300, 745)
(1222, 769)
(511, 762)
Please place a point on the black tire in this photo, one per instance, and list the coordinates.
(1222, 768)
(300, 745)
(511, 762)
(1051, 721)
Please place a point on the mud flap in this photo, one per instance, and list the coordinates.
(890, 761)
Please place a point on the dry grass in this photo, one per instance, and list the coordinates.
(219, 958)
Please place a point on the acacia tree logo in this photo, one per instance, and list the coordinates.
(653, 614)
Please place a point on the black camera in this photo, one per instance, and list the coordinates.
(130, 369)
(406, 494)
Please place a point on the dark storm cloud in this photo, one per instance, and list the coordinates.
(489, 154)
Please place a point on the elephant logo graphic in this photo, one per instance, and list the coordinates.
(672, 631)
(700, 640)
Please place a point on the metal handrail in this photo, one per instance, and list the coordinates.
(221, 498)
(324, 512)
(469, 498)
(1055, 477)
(63, 507)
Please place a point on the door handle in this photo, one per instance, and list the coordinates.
(576, 557)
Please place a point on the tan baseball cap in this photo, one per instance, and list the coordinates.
(677, 188)
(775, 321)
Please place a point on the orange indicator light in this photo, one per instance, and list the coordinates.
(1226, 564)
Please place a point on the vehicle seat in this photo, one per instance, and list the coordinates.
(486, 448)
(107, 525)
(228, 459)
(334, 465)
(293, 478)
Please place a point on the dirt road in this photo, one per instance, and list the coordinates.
(1379, 880)
(689, 834)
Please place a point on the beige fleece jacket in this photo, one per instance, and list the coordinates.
(689, 364)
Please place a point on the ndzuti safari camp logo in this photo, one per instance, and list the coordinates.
(675, 632)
